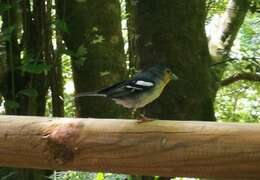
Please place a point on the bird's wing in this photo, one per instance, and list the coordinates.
(103, 92)
(127, 88)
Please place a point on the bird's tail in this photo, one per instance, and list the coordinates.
(84, 94)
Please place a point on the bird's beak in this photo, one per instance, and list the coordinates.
(174, 77)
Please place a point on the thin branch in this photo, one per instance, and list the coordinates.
(224, 62)
(241, 76)
(254, 59)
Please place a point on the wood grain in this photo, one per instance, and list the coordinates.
(165, 148)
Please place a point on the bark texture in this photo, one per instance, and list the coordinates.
(9, 85)
(3, 66)
(172, 32)
(32, 43)
(166, 148)
(132, 36)
(55, 61)
(95, 41)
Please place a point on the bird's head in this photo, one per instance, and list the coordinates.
(165, 72)
(169, 75)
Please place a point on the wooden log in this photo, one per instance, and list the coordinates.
(165, 148)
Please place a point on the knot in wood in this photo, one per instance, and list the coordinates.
(61, 141)
(164, 141)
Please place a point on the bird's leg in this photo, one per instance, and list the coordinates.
(142, 118)
(142, 113)
(133, 113)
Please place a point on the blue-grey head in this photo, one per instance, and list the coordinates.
(164, 72)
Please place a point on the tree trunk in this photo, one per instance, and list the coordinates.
(3, 65)
(17, 80)
(10, 86)
(33, 44)
(54, 60)
(223, 33)
(172, 32)
(132, 36)
(95, 42)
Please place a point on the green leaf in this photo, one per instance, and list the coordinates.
(30, 92)
(94, 29)
(81, 55)
(61, 26)
(10, 104)
(97, 39)
(81, 51)
(35, 68)
(100, 176)
(7, 33)
(4, 7)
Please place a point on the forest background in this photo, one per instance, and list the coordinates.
(53, 49)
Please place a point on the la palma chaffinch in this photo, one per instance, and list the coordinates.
(138, 91)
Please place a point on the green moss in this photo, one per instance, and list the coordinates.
(172, 32)
(96, 25)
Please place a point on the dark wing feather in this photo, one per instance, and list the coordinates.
(114, 89)
(127, 88)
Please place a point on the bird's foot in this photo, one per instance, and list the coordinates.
(142, 119)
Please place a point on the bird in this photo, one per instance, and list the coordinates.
(138, 91)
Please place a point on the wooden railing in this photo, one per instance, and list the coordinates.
(164, 148)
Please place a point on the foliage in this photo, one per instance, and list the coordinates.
(7, 33)
(61, 26)
(4, 7)
(11, 104)
(81, 55)
(72, 175)
(250, 36)
(215, 7)
(77, 175)
(35, 68)
(69, 104)
(239, 102)
(30, 92)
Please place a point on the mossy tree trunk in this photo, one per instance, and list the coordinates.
(172, 32)
(9, 87)
(95, 42)
(23, 70)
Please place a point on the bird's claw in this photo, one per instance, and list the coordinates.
(142, 119)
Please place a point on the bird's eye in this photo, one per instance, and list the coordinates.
(168, 71)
